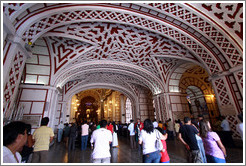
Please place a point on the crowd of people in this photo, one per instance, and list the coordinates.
(203, 145)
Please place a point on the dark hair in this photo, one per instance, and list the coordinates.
(163, 132)
(12, 130)
(186, 119)
(148, 126)
(131, 120)
(200, 116)
(114, 125)
(28, 128)
(44, 121)
(103, 123)
(204, 129)
(240, 116)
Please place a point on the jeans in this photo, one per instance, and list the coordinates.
(101, 160)
(84, 140)
(212, 159)
(201, 148)
(153, 157)
(194, 156)
(60, 132)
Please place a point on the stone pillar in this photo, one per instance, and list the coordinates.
(122, 109)
(15, 55)
(227, 86)
(52, 108)
(113, 106)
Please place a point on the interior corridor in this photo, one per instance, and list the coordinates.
(123, 154)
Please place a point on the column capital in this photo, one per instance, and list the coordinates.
(22, 45)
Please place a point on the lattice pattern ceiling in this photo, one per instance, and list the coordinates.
(146, 35)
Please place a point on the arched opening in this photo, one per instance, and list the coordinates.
(94, 105)
(197, 103)
(199, 93)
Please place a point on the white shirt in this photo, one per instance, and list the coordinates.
(60, 126)
(239, 128)
(149, 141)
(131, 129)
(8, 156)
(155, 124)
(101, 138)
(84, 129)
(225, 125)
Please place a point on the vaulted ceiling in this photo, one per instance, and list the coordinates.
(131, 44)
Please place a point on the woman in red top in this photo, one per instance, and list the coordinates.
(164, 155)
(110, 127)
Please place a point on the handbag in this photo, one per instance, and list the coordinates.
(158, 143)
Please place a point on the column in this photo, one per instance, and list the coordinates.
(122, 109)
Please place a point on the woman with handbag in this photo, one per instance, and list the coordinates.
(148, 137)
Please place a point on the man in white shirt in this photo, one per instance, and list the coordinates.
(60, 128)
(14, 138)
(101, 138)
(84, 135)
(227, 134)
(132, 134)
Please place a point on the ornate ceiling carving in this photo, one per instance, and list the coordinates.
(153, 37)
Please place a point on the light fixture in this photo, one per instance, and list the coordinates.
(78, 104)
(116, 105)
(110, 102)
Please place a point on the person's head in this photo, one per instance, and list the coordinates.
(204, 128)
(154, 120)
(240, 116)
(160, 122)
(138, 120)
(44, 121)
(28, 129)
(200, 117)
(131, 121)
(85, 122)
(103, 123)
(163, 132)
(148, 126)
(15, 133)
(187, 120)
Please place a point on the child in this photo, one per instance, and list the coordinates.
(164, 155)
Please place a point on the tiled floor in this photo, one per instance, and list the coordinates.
(123, 154)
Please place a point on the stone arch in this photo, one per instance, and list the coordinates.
(133, 97)
(197, 46)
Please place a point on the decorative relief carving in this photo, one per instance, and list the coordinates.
(222, 91)
(14, 76)
(67, 17)
(123, 43)
(231, 14)
(66, 50)
(225, 11)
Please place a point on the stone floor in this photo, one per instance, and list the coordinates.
(123, 154)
